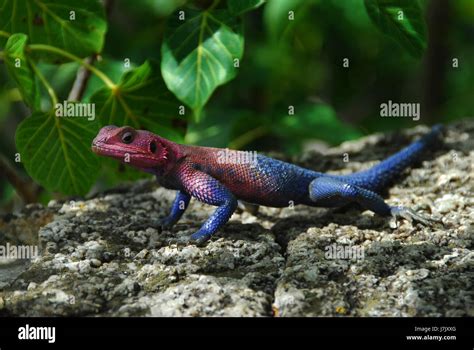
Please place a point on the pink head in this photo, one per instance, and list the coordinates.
(139, 148)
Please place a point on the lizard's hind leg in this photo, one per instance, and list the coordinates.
(328, 191)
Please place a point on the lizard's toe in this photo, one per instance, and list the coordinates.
(184, 241)
(199, 238)
(156, 224)
(410, 215)
(162, 224)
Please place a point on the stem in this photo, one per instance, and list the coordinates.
(41, 47)
(52, 94)
(4, 34)
(248, 137)
(82, 77)
(214, 4)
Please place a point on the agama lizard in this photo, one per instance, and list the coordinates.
(219, 178)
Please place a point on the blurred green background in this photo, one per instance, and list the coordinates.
(300, 66)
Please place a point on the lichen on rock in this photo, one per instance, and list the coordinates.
(101, 256)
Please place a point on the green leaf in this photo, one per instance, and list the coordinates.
(20, 70)
(56, 152)
(7, 192)
(198, 54)
(316, 121)
(160, 8)
(142, 101)
(277, 15)
(50, 22)
(402, 20)
(238, 7)
(4, 106)
(114, 69)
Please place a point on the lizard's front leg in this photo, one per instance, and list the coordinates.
(179, 206)
(208, 190)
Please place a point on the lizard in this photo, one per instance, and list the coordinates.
(220, 177)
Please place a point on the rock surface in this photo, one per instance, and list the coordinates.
(101, 257)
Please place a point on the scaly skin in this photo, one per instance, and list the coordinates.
(220, 177)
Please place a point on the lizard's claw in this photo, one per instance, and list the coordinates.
(199, 238)
(409, 215)
(163, 224)
(167, 223)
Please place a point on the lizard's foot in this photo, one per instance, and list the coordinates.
(409, 215)
(163, 224)
(199, 238)
(167, 223)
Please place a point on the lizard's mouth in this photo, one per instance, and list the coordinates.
(121, 152)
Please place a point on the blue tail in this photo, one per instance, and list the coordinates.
(381, 175)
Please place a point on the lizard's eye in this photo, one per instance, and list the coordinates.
(127, 137)
(152, 146)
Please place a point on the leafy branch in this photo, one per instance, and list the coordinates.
(201, 50)
(84, 63)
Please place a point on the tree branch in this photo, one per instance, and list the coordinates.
(28, 190)
(25, 189)
(82, 78)
(439, 19)
(83, 74)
